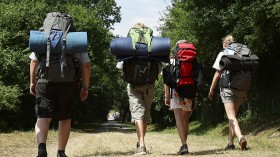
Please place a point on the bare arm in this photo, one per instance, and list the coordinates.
(166, 95)
(86, 78)
(216, 77)
(33, 65)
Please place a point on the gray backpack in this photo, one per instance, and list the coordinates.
(238, 65)
(58, 67)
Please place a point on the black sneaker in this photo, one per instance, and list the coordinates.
(42, 151)
(61, 153)
(183, 150)
(230, 147)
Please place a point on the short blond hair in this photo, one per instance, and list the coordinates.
(180, 41)
(227, 40)
(139, 25)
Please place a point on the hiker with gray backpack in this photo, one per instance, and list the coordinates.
(58, 62)
(235, 67)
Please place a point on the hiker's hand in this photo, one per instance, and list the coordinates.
(195, 103)
(32, 89)
(245, 98)
(84, 94)
(167, 100)
(210, 95)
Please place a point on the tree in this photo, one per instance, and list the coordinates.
(254, 23)
(17, 18)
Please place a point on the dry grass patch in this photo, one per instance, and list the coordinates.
(112, 139)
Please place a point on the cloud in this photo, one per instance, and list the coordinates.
(146, 11)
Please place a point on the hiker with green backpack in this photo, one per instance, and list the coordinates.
(140, 88)
(234, 66)
(140, 70)
(55, 74)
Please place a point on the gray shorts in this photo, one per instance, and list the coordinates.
(231, 95)
(140, 100)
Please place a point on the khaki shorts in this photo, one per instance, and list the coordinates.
(231, 95)
(140, 100)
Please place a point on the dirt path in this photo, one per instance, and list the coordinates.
(114, 139)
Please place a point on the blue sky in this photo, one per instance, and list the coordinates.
(146, 11)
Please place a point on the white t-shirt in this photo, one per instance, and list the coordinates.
(217, 61)
(119, 65)
(175, 100)
(83, 57)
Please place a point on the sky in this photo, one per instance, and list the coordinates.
(146, 11)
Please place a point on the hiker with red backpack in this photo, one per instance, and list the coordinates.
(55, 73)
(234, 68)
(180, 87)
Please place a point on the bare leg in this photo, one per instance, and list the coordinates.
(234, 129)
(179, 124)
(41, 129)
(182, 124)
(140, 126)
(185, 120)
(64, 129)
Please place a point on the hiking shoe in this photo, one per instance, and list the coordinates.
(243, 143)
(61, 153)
(141, 150)
(230, 147)
(183, 150)
(42, 151)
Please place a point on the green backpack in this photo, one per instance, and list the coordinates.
(141, 70)
(141, 35)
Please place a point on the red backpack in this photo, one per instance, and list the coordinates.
(185, 59)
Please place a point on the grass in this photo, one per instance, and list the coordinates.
(96, 139)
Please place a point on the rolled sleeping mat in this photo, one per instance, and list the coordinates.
(250, 63)
(234, 63)
(229, 62)
(76, 42)
(160, 47)
(122, 48)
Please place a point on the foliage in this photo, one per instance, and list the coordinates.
(255, 23)
(160, 112)
(17, 18)
(204, 23)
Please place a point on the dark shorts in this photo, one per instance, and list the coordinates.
(55, 100)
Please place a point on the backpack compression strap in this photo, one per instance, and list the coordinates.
(47, 29)
(63, 60)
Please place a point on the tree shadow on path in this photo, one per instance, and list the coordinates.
(109, 126)
(110, 153)
(200, 153)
